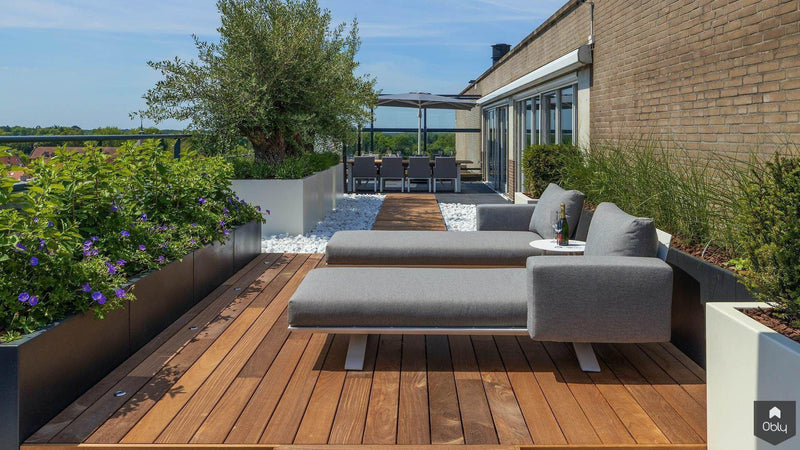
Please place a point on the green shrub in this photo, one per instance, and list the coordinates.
(769, 235)
(88, 223)
(544, 164)
(292, 167)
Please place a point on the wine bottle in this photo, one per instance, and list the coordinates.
(563, 237)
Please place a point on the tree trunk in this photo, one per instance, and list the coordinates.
(272, 148)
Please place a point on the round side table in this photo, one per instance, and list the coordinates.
(549, 247)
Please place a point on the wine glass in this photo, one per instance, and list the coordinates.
(554, 219)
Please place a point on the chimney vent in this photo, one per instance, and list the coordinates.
(498, 51)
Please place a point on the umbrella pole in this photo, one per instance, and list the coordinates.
(419, 130)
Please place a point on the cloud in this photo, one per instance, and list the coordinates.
(146, 16)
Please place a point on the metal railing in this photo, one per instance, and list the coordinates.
(99, 138)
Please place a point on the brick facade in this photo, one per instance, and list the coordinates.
(512, 177)
(707, 75)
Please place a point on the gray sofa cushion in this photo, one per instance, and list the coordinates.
(551, 200)
(403, 297)
(613, 232)
(431, 248)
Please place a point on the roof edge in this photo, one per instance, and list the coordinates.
(552, 20)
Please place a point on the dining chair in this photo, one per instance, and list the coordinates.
(364, 169)
(419, 169)
(445, 168)
(392, 169)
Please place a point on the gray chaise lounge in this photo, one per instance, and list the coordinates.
(619, 292)
(502, 240)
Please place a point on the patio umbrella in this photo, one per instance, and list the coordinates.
(421, 100)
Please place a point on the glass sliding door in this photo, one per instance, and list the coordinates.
(551, 108)
(496, 122)
(566, 125)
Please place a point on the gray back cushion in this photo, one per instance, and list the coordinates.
(551, 200)
(613, 232)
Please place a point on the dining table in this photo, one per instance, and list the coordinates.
(378, 161)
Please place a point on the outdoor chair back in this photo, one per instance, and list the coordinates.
(419, 167)
(364, 167)
(392, 167)
(445, 167)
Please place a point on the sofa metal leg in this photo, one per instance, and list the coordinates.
(586, 356)
(356, 351)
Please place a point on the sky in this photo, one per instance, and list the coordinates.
(84, 62)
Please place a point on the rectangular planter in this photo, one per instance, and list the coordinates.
(695, 283)
(296, 206)
(43, 372)
(522, 199)
(747, 362)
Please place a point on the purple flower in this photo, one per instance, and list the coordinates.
(226, 232)
(87, 253)
(111, 269)
(162, 245)
(94, 252)
(258, 208)
(160, 259)
(143, 217)
(142, 248)
(34, 261)
(230, 200)
(93, 238)
(267, 211)
(86, 288)
(99, 298)
(23, 297)
(33, 300)
(22, 247)
(87, 244)
(201, 201)
(194, 224)
(192, 241)
(35, 220)
(42, 244)
(120, 293)
(121, 262)
(114, 208)
(124, 233)
(221, 223)
(49, 224)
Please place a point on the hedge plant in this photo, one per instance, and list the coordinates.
(290, 168)
(88, 223)
(543, 164)
(769, 235)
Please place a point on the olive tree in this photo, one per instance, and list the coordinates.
(282, 75)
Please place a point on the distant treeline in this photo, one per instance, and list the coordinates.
(406, 143)
(25, 148)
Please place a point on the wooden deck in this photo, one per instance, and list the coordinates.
(409, 212)
(230, 374)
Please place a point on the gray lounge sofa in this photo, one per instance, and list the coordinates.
(619, 291)
(502, 240)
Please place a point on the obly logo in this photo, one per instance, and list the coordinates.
(775, 422)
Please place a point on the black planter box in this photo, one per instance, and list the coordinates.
(45, 371)
(696, 282)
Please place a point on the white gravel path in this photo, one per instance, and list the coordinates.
(354, 212)
(458, 216)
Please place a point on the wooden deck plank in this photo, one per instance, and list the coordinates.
(573, 422)
(685, 360)
(684, 376)
(409, 212)
(260, 408)
(282, 426)
(160, 365)
(476, 417)
(163, 411)
(507, 416)
(348, 423)
(381, 422)
(539, 417)
(635, 418)
(413, 424)
(692, 412)
(219, 423)
(443, 402)
(663, 414)
(607, 425)
(315, 428)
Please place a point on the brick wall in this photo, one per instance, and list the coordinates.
(710, 75)
(512, 177)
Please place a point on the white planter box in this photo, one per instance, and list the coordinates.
(746, 361)
(522, 199)
(295, 206)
